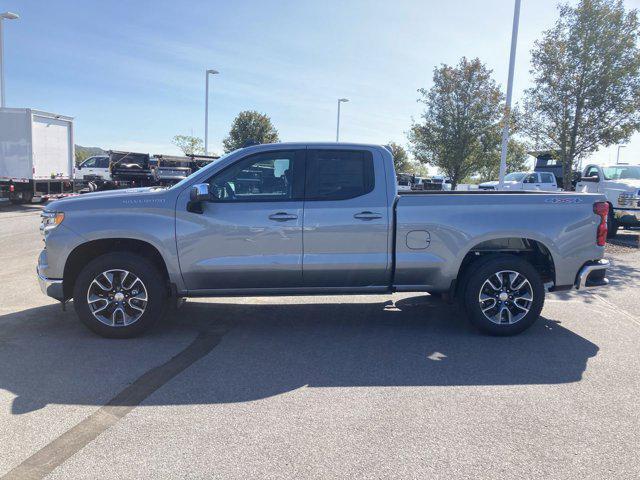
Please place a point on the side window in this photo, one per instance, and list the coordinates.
(102, 162)
(531, 178)
(89, 163)
(338, 174)
(548, 178)
(264, 177)
(592, 172)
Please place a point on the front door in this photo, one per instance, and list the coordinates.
(250, 234)
(346, 219)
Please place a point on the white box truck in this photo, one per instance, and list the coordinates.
(36, 154)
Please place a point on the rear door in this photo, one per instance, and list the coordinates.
(51, 147)
(548, 181)
(346, 219)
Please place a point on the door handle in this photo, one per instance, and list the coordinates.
(282, 216)
(367, 216)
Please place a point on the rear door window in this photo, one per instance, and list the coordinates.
(548, 178)
(338, 174)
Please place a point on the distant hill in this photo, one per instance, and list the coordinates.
(86, 152)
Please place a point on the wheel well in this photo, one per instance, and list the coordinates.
(533, 251)
(86, 252)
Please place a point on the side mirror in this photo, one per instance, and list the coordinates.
(200, 193)
(593, 178)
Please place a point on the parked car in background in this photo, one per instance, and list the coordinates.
(93, 168)
(620, 184)
(316, 218)
(404, 182)
(544, 181)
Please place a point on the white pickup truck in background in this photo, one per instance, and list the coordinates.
(543, 181)
(93, 168)
(621, 185)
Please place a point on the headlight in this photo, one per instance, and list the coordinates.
(50, 220)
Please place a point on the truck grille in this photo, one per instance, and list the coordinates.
(629, 200)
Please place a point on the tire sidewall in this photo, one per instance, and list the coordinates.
(139, 266)
(478, 274)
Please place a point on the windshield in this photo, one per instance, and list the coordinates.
(185, 180)
(514, 177)
(622, 172)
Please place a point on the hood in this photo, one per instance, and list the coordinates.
(631, 184)
(80, 200)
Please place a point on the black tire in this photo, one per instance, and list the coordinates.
(474, 284)
(612, 224)
(153, 281)
(22, 198)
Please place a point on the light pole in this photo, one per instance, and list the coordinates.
(3, 16)
(206, 110)
(340, 100)
(618, 155)
(507, 112)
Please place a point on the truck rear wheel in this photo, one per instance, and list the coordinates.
(119, 295)
(22, 198)
(503, 295)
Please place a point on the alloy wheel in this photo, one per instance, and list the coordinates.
(505, 297)
(117, 298)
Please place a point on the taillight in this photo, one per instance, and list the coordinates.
(601, 209)
(12, 188)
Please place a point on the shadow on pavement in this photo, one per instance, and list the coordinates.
(251, 351)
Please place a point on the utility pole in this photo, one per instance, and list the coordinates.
(340, 100)
(206, 110)
(507, 113)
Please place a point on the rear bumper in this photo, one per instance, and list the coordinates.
(592, 275)
(50, 286)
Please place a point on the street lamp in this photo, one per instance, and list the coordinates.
(3, 16)
(340, 100)
(507, 113)
(206, 111)
(618, 155)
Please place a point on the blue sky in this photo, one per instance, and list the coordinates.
(132, 73)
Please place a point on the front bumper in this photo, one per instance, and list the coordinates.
(626, 216)
(592, 274)
(50, 286)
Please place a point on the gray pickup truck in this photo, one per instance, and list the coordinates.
(316, 218)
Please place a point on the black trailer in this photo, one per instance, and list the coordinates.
(130, 169)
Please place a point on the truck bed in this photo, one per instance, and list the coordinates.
(434, 228)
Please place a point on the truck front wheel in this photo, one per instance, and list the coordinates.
(119, 295)
(503, 295)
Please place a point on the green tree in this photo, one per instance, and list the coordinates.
(401, 161)
(461, 122)
(516, 161)
(586, 82)
(250, 126)
(188, 144)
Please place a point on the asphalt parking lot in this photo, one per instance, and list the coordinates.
(318, 387)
